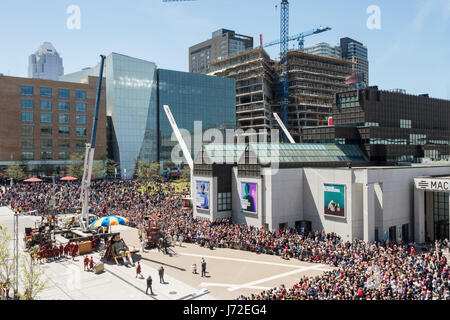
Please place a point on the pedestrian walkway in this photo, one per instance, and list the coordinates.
(67, 280)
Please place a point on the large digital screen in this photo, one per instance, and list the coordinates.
(334, 200)
(249, 197)
(202, 195)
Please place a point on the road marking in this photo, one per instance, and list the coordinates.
(281, 275)
(229, 285)
(318, 266)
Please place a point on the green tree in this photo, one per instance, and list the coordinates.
(75, 169)
(32, 275)
(99, 168)
(15, 171)
(6, 258)
(186, 173)
(111, 165)
(146, 169)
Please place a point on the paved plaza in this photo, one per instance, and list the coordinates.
(230, 273)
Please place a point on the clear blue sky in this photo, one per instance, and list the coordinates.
(411, 51)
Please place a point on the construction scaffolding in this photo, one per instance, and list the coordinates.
(254, 74)
(313, 82)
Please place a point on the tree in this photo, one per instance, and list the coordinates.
(15, 171)
(186, 173)
(6, 258)
(99, 168)
(111, 167)
(75, 169)
(146, 169)
(31, 275)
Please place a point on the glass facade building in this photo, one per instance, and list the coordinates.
(135, 94)
(193, 97)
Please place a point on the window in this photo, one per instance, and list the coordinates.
(81, 119)
(81, 144)
(80, 95)
(63, 118)
(81, 107)
(63, 106)
(46, 155)
(46, 143)
(46, 117)
(64, 143)
(27, 130)
(27, 116)
(63, 131)
(26, 90)
(81, 132)
(46, 131)
(224, 201)
(27, 143)
(45, 92)
(405, 123)
(27, 155)
(27, 103)
(63, 93)
(63, 155)
(46, 105)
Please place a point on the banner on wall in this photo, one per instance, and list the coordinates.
(334, 200)
(202, 195)
(249, 197)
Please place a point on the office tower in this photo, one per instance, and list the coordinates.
(357, 53)
(223, 43)
(45, 63)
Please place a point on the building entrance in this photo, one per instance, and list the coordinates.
(440, 215)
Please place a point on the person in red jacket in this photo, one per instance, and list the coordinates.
(74, 252)
(138, 270)
(86, 263)
(91, 264)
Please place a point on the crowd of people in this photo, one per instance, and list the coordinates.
(374, 271)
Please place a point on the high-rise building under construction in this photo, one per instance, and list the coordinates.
(313, 81)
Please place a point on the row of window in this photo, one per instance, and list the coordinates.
(47, 92)
(48, 144)
(45, 155)
(47, 118)
(48, 131)
(405, 123)
(224, 201)
(47, 105)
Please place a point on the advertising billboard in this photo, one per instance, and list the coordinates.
(334, 200)
(249, 197)
(202, 195)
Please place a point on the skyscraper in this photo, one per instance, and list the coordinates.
(223, 44)
(356, 52)
(45, 63)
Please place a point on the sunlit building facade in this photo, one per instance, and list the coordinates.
(136, 92)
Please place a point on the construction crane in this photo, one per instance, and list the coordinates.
(300, 38)
(284, 78)
(89, 156)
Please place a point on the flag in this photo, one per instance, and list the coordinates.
(115, 173)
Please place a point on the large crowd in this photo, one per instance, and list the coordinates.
(375, 271)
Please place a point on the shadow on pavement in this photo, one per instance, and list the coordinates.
(161, 263)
